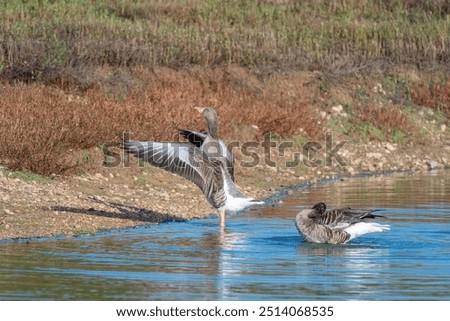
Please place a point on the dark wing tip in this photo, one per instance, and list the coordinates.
(195, 138)
(371, 215)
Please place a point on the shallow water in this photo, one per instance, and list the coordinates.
(259, 257)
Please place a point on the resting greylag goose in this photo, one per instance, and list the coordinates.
(335, 226)
(210, 142)
(207, 171)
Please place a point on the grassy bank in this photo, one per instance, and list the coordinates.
(55, 39)
(77, 74)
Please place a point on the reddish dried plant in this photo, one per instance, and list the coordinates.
(436, 96)
(43, 126)
(386, 117)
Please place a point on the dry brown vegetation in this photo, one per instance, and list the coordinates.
(433, 95)
(386, 117)
(42, 126)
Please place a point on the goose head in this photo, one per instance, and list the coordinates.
(320, 207)
(208, 112)
(211, 119)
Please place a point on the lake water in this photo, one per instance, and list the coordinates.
(260, 256)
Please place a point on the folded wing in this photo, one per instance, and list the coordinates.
(344, 216)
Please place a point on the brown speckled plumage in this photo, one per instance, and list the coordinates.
(318, 225)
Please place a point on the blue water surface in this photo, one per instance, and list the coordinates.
(260, 255)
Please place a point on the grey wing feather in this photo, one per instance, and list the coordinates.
(337, 216)
(181, 159)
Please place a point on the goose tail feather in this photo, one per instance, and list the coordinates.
(362, 228)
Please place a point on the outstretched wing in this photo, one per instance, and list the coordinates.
(181, 159)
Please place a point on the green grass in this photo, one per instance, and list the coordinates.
(27, 176)
(398, 87)
(398, 136)
(140, 162)
(40, 36)
(367, 131)
(440, 117)
(343, 126)
(301, 169)
(87, 156)
(141, 180)
(299, 140)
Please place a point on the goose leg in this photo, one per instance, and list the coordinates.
(222, 219)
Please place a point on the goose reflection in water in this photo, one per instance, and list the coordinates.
(221, 248)
(349, 268)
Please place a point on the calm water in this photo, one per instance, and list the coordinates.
(259, 257)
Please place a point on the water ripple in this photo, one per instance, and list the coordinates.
(259, 257)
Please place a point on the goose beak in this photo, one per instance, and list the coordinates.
(200, 109)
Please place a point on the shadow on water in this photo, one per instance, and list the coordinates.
(259, 256)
